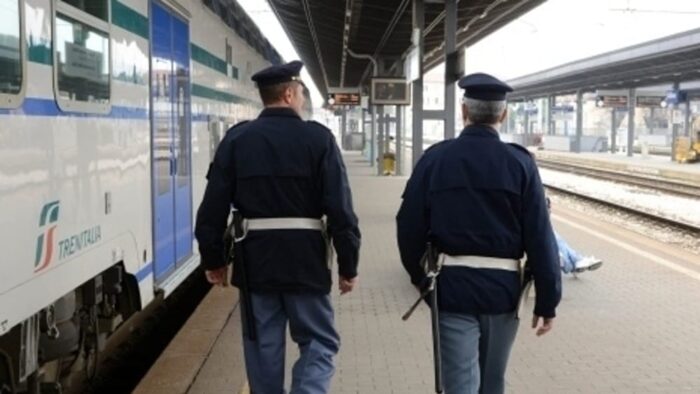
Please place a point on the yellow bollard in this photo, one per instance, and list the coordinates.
(682, 149)
(389, 163)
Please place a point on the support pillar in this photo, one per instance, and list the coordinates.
(547, 120)
(365, 137)
(388, 127)
(632, 103)
(417, 88)
(686, 118)
(675, 127)
(344, 129)
(553, 122)
(613, 130)
(451, 66)
(373, 135)
(381, 136)
(579, 121)
(399, 139)
(526, 129)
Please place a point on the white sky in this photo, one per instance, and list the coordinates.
(561, 31)
(262, 15)
(557, 32)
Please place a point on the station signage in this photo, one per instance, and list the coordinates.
(345, 98)
(563, 112)
(612, 101)
(390, 91)
(563, 108)
(611, 98)
(675, 97)
(649, 101)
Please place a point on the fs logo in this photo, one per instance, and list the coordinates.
(45, 242)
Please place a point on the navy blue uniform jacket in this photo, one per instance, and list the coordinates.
(475, 195)
(280, 166)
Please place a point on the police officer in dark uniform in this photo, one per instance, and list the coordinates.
(481, 203)
(283, 175)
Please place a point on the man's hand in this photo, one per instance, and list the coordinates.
(546, 326)
(217, 276)
(346, 285)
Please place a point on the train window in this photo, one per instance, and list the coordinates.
(81, 61)
(11, 53)
(96, 8)
(229, 53)
(216, 131)
(231, 70)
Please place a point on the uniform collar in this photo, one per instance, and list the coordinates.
(481, 131)
(279, 111)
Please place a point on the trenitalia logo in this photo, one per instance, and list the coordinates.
(45, 243)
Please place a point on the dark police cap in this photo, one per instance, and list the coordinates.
(485, 87)
(282, 73)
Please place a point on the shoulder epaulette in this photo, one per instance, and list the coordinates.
(437, 144)
(521, 148)
(318, 124)
(232, 130)
(239, 124)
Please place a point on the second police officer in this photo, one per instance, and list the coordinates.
(481, 203)
(283, 175)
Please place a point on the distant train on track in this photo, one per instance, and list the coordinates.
(110, 112)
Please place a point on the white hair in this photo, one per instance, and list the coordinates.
(484, 112)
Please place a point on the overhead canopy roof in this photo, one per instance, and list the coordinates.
(236, 18)
(674, 58)
(381, 28)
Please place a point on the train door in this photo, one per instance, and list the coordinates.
(171, 142)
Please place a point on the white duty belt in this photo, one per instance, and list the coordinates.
(480, 262)
(492, 263)
(292, 224)
(284, 224)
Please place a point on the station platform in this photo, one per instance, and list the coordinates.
(630, 327)
(650, 165)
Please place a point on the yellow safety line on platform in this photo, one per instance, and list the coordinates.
(245, 389)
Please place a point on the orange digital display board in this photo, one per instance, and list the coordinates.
(345, 98)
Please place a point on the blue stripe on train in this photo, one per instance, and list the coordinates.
(48, 107)
(144, 272)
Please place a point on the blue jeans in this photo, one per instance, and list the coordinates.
(311, 326)
(567, 255)
(475, 351)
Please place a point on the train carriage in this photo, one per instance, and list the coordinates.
(110, 111)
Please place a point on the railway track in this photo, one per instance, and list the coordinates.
(646, 215)
(655, 183)
(134, 348)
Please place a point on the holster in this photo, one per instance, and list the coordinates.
(430, 259)
(526, 281)
(235, 233)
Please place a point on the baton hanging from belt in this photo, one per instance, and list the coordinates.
(430, 262)
(237, 234)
